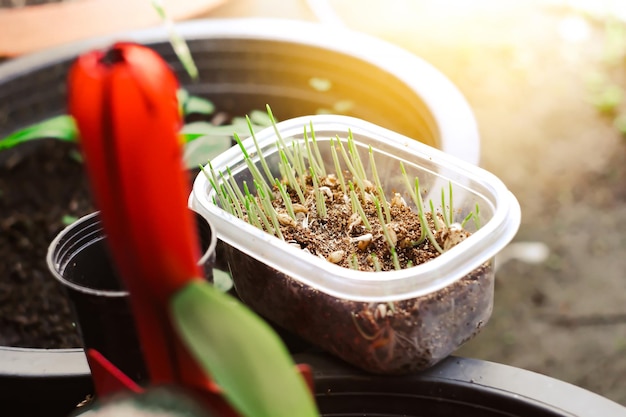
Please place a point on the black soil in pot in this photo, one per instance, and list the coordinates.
(43, 188)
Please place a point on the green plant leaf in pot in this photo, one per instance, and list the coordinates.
(242, 353)
(58, 127)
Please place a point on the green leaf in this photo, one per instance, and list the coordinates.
(198, 105)
(241, 352)
(59, 127)
(195, 130)
(204, 148)
(181, 49)
(239, 126)
(68, 219)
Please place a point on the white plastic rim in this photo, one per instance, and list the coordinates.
(458, 131)
(355, 285)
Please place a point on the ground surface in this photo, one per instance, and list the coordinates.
(528, 86)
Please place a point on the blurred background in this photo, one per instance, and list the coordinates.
(546, 81)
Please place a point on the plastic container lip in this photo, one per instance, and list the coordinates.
(358, 285)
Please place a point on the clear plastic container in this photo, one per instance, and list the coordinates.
(384, 322)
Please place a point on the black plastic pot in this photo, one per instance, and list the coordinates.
(80, 260)
(455, 387)
(299, 68)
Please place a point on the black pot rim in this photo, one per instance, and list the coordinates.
(453, 116)
(452, 377)
(465, 382)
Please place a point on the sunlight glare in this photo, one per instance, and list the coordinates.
(574, 29)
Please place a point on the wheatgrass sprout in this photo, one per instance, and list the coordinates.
(477, 217)
(313, 161)
(385, 204)
(383, 225)
(316, 150)
(353, 202)
(299, 164)
(433, 213)
(448, 217)
(266, 169)
(355, 174)
(394, 257)
(258, 211)
(212, 178)
(414, 198)
(443, 208)
(320, 201)
(246, 190)
(354, 262)
(277, 132)
(338, 171)
(234, 185)
(254, 210)
(467, 218)
(407, 182)
(256, 174)
(358, 208)
(291, 179)
(266, 205)
(422, 216)
(228, 200)
(379, 187)
(451, 205)
(232, 196)
(286, 198)
(416, 195)
(253, 219)
(375, 262)
(358, 164)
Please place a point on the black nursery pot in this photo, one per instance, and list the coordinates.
(79, 258)
(454, 387)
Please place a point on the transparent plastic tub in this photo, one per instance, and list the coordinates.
(387, 322)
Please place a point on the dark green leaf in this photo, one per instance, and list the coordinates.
(59, 127)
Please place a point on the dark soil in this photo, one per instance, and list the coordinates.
(385, 338)
(40, 187)
(343, 239)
